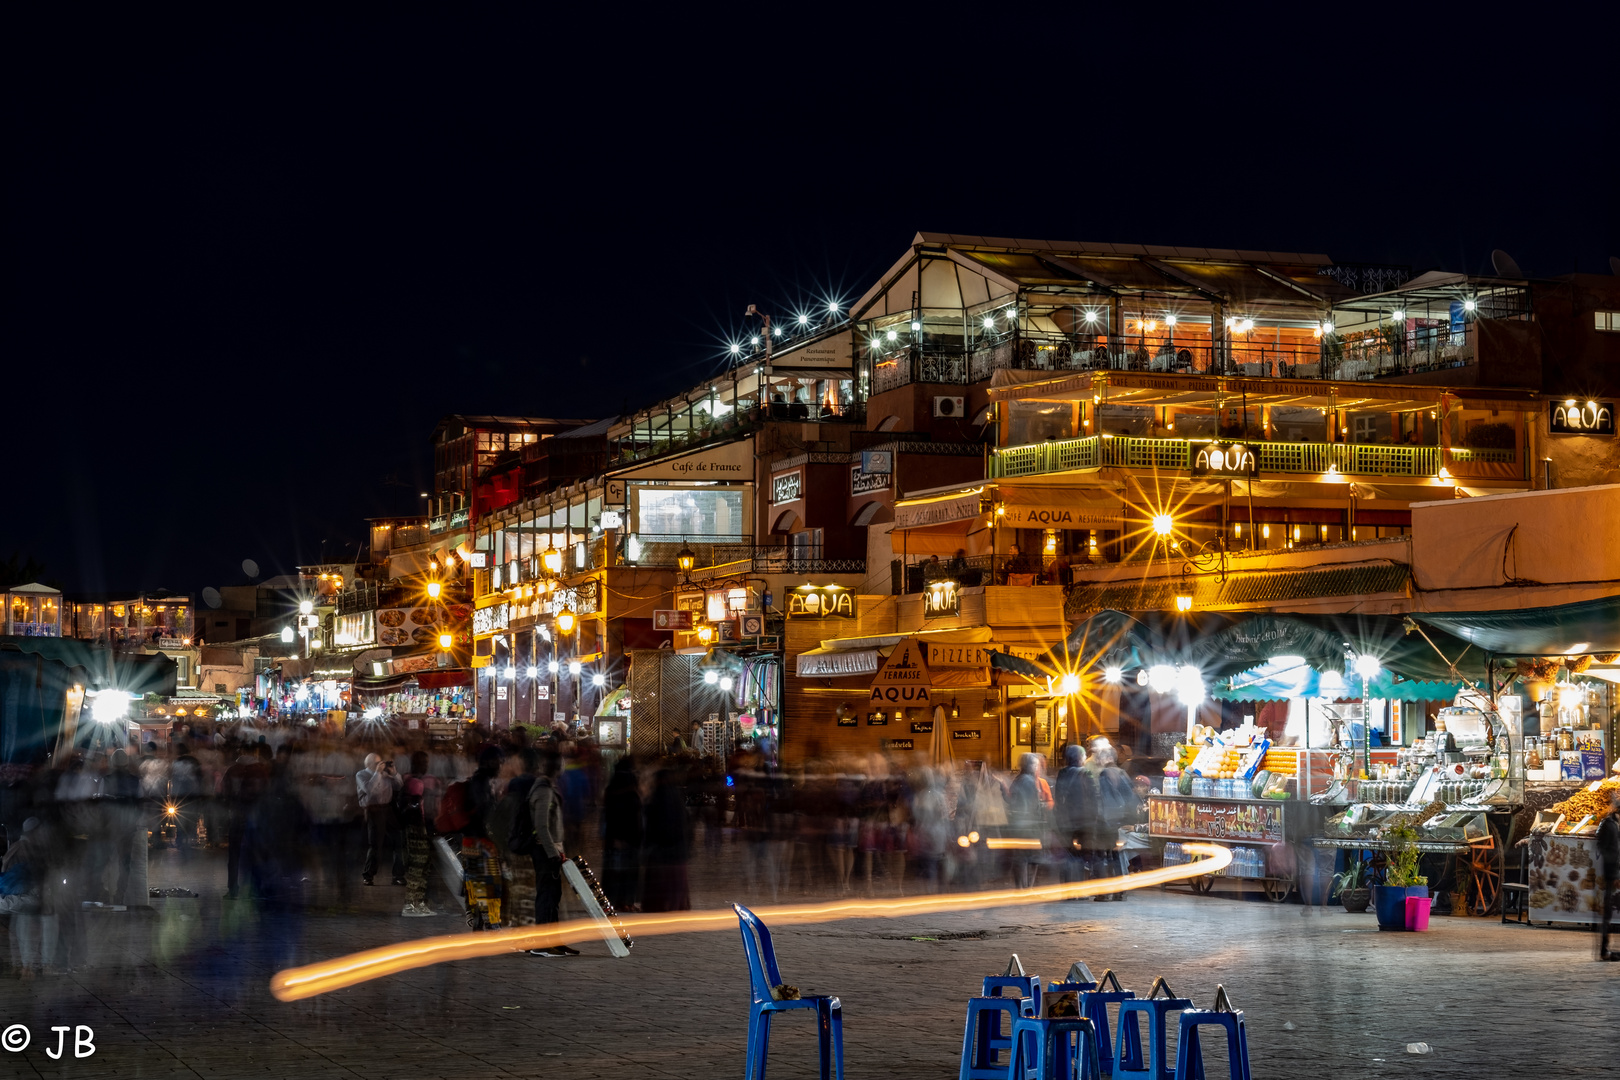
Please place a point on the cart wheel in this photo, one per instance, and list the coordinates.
(1485, 861)
(1278, 889)
(472, 919)
(1203, 884)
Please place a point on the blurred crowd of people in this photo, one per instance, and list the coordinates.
(307, 818)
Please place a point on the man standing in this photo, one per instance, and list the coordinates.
(377, 784)
(1608, 872)
(546, 811)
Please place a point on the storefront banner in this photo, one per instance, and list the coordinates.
(821, 602)
(491, 620)
(910, 515)
(418, 626)
(1563, 879)
(1059, 507)
(835, 662)
(1215, 820)
(948, 655)
(728, 461)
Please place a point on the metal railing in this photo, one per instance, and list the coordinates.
(361, 596)
(1095, 451)
(906, 363)
(640, 444)
(741, 554)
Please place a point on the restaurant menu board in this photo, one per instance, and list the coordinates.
(1215, 820)
(1563, 879)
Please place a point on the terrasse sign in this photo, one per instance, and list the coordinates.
(904, 679)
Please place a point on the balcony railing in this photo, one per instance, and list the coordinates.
(661, 441)
(923, 363)
(361, 596)
(740, 554)
(1095, 451)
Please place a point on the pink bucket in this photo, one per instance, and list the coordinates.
(1417, 912)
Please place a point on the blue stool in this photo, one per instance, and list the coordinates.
(1094, 1007)
(1014, 978)
(1128, 1064)
(1190, 1055)
(763, 978)
(1052, 1048)
(983, 1037)
(1077, 980)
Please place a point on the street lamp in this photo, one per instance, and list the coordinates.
(565, 621)
(685, 560)
(306, 607)
(552, 560)
(286, 635)
(434, 589)
(705, 634)
(446, 640)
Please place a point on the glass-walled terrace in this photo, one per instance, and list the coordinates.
(738, 402)
(1150, 334)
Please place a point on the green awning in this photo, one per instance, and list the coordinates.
(1223, 644)
(1286, 681)
(1592, 626)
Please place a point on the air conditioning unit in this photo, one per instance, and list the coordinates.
(949, 406)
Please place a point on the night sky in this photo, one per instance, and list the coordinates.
(250, 265)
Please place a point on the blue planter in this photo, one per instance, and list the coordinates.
(1389, 904)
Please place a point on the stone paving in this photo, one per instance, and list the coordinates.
(182, 991)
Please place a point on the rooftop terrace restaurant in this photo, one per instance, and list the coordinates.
(1262, 462)
(956, 309)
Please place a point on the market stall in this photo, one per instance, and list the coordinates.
(1560, 857)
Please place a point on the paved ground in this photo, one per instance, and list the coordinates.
(182, 992)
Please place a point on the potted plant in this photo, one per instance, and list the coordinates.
(1351, 886)
(1401, 879)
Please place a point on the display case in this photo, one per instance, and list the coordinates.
(1472, 766)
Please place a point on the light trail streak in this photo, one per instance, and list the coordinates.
(295, 984)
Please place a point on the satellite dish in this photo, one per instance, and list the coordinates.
(250, 568)
(1614, 265)
(1504, 264)
(211, 597)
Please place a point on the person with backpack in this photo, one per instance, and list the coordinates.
(545, 839)
(377, 784)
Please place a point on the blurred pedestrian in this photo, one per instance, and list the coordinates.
(413, 814)
(1028, 819)
(668, 845)
(1074, 802)
(376, 785)
(1608, 873)
(623, 832)
(546, 821)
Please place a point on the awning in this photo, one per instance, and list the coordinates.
(1223, 644)
(1591, 626)
(1016, 664)
(971, 535)
(99, 669)
(959, 505)
(439, 679)
(826, 662)
(610, 703)
(1284, 681)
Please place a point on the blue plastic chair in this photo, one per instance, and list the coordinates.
(983, 1038)
(1014, 979)
(1190, 1055)
(763, 976)
(1094, 1007)
(1128, 1063)
(1055, 1048)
